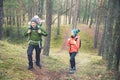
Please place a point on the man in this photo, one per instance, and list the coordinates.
(73, 44)
(35, 33)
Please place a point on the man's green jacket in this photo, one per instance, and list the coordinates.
(34, 37)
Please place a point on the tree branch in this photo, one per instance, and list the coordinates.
(63, 13)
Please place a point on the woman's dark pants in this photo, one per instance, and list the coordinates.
(72, 59)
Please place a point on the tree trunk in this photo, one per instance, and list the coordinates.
(89, 10)
(79, 11)
(40, 8)
(1, 17)
(75, 15)
(117, 43)
(58, 29)
(66, 15)
(97, 25)
(96, 10)
(85, 12)
(18, 27)
(23, 19)
(48, 26)
(91, 20)
(102, 45)
(33, 8)
(13, 20)
(70, 11)
(92, 14)
(109, 35)
(29, 10)
(37, 7)
(116, 39)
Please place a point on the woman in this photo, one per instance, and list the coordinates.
(73, 44)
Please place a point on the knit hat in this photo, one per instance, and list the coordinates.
(75, 31)
(34, 20)
(38, 19)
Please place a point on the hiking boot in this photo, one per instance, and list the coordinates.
(71, 71)
(30, 67)
(39, 65)
(74, 68)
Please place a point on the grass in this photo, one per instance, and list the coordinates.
(86, 40)
(13, 60)
(57, 41)
(86, 43)
(89, 67)
(13, 63)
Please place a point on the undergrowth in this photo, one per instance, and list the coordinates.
(13, 63)
(13, 60)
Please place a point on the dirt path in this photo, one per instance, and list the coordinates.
(45, 74)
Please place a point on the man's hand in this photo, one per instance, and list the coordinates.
(29, 31)
(39, 31)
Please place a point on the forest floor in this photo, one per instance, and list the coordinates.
(84, 63)
(13, 64)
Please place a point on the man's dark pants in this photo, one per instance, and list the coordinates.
(30, 52)
(72, 59)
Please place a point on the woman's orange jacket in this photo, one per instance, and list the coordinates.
(73, 44)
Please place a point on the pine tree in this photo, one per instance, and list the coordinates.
(48, 26)
(1, 17)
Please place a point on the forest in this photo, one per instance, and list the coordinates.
(99, 25)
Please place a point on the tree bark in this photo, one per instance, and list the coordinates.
(40, 8)
(1, 17)
(117, 44)
(102, 44)
(79, 11)
(97, 24)
(116, 38)
(70, 11)
(89, 10)
(48, 26)
(18, 27)
(85, 12)
(29, 10)
(66, 14)
(75, 15)
(63, 13)
(58, 29)
(109, 35)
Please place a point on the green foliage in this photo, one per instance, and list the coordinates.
(13, 62)
(55, 6)
(96, 60)
(57, 40)
(11, 34)
(86, 43)
(54, 63)
(13, 7)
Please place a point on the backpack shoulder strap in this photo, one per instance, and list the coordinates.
(78, 37)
